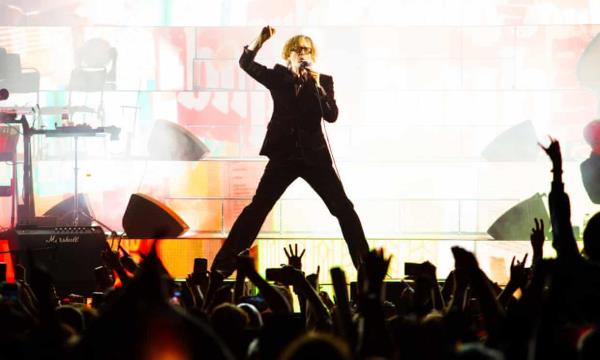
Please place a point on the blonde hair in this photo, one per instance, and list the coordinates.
(294, 42)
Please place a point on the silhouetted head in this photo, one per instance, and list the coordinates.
(285, 292)
(434, 340)
(317, 346)
(254, 315)
(71, 316)
(228, 318)
(591, 240)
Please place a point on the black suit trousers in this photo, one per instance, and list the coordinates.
(278, 175)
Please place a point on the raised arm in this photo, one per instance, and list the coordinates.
(304, 288)
(560, 207)
(427, 290)
(259, 72)
(276, 301)
(112, 261)
(343, 313)
(373, 338)
(518, 279)
(265, 34)
(537, 238)
(491, 310)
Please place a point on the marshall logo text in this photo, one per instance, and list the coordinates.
(53, 239)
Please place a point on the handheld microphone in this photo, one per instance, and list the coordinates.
(303, 70)
(305, 64)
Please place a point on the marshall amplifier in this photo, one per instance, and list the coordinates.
(70, 254)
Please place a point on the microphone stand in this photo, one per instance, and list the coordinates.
(113, 233)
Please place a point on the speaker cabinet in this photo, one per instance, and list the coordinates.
(518, 143)
(516, 223)
(64, 212)
(69, 254)
(147, 218)
(169, 141)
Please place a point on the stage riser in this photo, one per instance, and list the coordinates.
(494, 256)
(178, 254)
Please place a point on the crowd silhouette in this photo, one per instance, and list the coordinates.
(550, 310)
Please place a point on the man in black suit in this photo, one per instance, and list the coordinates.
(295, 146)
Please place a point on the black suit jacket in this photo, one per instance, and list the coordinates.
(295, 127)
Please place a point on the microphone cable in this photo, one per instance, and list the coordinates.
(306, 66)
(324, 128)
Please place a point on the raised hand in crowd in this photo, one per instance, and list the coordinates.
(428, 294)
(524, 316)
(317, 314)
(537, 238)
(240, 281)
(405, 305)
(127, 261)
(294, 259)
(448, 287)
(327, 300)
(374, 340)
(112, 261)
(276, 301)
(553, 152)
(313, 279)
(460, 283)
(195, 291)
(490, 308)
(343, 313)
(518, 280)
(518, 273)
(560, 207)
(375, 270)
(215, 282)
(465, 260)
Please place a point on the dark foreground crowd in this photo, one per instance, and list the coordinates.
(550, 310)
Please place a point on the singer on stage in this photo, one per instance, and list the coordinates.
(295, 146)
